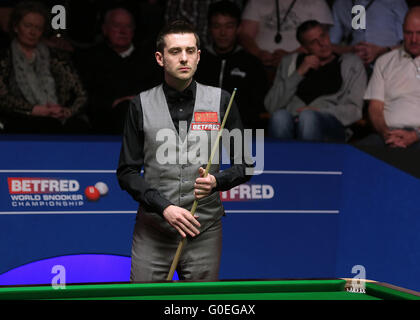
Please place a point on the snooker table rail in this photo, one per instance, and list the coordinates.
(316, 289)
(383, 290)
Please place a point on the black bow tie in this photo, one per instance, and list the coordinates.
(176, 96)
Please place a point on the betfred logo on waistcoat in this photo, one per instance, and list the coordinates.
(205, 121)
(41, 185)
(205, 126)
(248, 192)
(205, 116)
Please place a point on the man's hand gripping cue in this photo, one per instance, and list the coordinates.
(204, 185)
(180, 218)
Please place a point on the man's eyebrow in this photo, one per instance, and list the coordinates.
(179, 48)
(174, 48)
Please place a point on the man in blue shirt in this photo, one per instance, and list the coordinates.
(383, 31)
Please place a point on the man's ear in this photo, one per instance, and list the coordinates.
(159, 58)
(198, 54)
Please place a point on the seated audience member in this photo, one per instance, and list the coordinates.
(193, 11)
(268, 28)
(316, 96)
(382, 31)
(225, 64)
(114, 71)
(40, 92)
(393, 92)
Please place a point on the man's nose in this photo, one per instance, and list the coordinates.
(183, 56)
(123, 30)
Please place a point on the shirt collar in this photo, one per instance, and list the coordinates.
(127, 52)
(405, 54)
(173, 95)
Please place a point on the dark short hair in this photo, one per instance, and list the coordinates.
(226, 8)
(305, 26)
(109, 11)
(22, 9)
(177, 27)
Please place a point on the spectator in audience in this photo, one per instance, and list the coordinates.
(268, 28)
(39, 89)
(382, 31)
(316, 96)
(393, 92)
(225, 64)
(193, 11)
(115, 71)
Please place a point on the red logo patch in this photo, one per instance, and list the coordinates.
(205, 121)
(205, 116)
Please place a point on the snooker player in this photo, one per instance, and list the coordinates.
(167, 190)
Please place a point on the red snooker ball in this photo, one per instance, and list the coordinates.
(92, 193)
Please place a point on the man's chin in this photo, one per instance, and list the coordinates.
(122, 44)
(31, 43)
(324, 57)
(224, 46)
(327, 54)
(414, 51)
(185, 75)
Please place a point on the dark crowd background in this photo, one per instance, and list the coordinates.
(107, 83)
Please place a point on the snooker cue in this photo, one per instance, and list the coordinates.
(194, 207)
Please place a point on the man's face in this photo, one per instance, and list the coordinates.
(223, 32)
(180, 57)
(119, 29)
(411, 31)
(29, 30)
(317, 42)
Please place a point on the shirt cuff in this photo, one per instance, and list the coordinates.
(218, 181)
(295, 78)
(155, 202)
